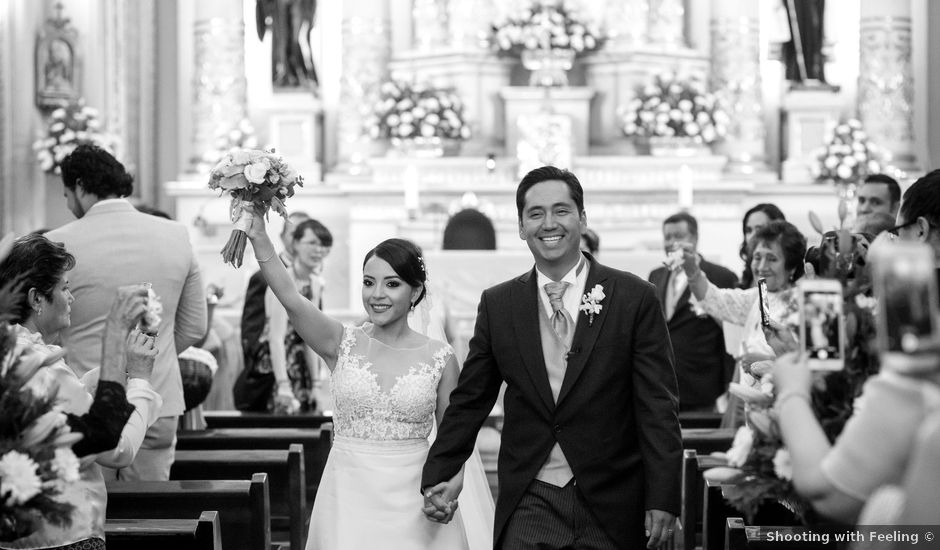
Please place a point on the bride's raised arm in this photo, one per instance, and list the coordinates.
(319, 331)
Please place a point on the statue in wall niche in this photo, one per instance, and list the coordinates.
(803, 54)
(57, 62)
(291, 22)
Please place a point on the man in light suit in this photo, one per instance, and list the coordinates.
(591, 448)
(115, 245)
(703, 368)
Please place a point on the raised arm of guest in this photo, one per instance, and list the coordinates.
(319, 331)
(726, 304)
(839, 478)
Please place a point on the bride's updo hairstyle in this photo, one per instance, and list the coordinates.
(405, 258)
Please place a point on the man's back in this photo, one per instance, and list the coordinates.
(116, 245)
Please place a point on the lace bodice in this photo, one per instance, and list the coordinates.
(385, 393)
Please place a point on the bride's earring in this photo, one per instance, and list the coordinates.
(412, 306)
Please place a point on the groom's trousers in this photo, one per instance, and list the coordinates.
(550, 517)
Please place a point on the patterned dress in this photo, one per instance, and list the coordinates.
(369, 496)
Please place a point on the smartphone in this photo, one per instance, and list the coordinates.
(905, 286)
(822, 323)
(763, 303)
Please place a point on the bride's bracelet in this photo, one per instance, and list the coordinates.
(269, 258)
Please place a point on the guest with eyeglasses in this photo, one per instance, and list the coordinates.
(280, 374)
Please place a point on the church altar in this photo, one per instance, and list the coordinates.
(365, 191)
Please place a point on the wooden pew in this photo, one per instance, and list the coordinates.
(243, 506)
(286, 481)
(316, 444)
(243, 419)
(159, 534)
(698, 419)
(693, 488)
(707, 440)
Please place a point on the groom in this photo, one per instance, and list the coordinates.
(591, 448)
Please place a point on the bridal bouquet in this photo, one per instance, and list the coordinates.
(848, 156)
(545, 25)
(252, 177)
(69, 126)
(412, 111)
(675, 106)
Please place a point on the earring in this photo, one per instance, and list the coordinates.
(38, 311)
(413, 307)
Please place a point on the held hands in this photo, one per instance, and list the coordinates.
(284, 400)
(141, 353)
(659, 527)
(440, 501)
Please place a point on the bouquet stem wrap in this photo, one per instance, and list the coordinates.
(234, 250)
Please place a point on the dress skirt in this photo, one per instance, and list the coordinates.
(369, 497)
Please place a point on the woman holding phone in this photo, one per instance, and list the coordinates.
(776, 252)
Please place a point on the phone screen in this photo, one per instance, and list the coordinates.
(764, 304)
(822, 328)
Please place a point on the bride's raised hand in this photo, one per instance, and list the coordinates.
(258, 225)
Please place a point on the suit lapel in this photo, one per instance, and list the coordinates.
(525, 319)
(586, 333)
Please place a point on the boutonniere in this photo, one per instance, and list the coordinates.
(591, 302)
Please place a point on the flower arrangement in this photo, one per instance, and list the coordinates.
(70, 126)
(252, 177)
(36, 459)
(410, 111)
(758, 463)
(545, 25)
(848, 156)
(591, 302)
(675, 106)
(242, 136)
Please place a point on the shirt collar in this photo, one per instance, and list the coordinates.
(571, 277)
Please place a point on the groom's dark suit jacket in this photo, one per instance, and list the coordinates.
(616, 417)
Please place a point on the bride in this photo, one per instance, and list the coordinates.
(389, 386)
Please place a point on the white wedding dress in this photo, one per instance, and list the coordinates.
(369, 496)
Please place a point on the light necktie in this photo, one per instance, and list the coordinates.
(561, 319)
(677, 284)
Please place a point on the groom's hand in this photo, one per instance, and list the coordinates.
(659, 527)
(437, 507)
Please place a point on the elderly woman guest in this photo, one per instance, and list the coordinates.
(113, 423)
(776, 252)
(758, 216)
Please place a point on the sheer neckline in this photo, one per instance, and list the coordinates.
(374, 339)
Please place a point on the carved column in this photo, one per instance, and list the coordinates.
(735, 37)
(885, 79)
(469, 24)
(667, 23)
(627, 23)
(429, 21)
(219, 84)
(366, 52)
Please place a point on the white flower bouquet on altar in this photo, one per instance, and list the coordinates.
(545, 25)
(242, 136)
(416, 111)
(252, 177)
(848, 156)
(70, 126)
(674, 106)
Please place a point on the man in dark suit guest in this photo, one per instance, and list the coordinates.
(703, 368)
(591, 449)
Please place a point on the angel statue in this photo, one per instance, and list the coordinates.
(292, 54)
